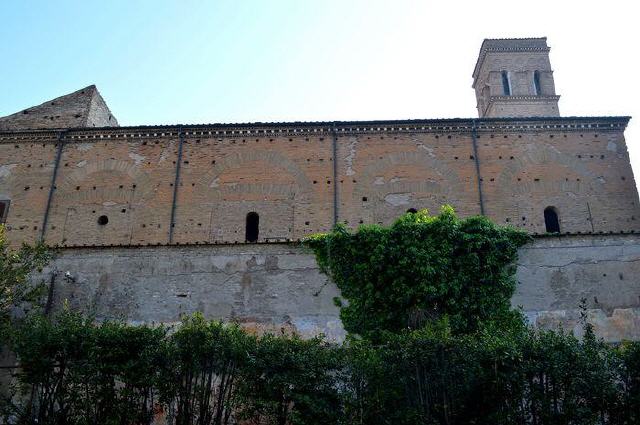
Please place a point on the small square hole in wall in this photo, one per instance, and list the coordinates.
(306, 223)
(364, 199)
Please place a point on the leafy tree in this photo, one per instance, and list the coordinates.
(289, 380)
(205, 361)
(16, 289)
(421, 268)
(629, 353)
(52, 356)
(75, 372)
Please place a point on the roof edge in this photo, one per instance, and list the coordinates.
(442, 124)
(484, 50)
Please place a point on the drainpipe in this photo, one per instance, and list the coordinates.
(51, 293)
(474, 141)
(54, 177)
(334, 132)
(175, 183)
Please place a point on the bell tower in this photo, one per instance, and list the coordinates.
(513, 78)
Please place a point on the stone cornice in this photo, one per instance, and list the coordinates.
(509, 45)
(323, 129)
(516, 99)
(527, 98)
(629, 233)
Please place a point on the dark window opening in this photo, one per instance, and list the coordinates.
(536, 83)
(102, 220)
(506, 84)
(412, 210)
(4, 210)
(551, 222)
(253, 227)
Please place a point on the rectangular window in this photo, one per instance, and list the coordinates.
(506, 84)
(4, 210)
(536, 83)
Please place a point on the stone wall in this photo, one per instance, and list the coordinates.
(556, 273)
(278, 286)
(261, 286)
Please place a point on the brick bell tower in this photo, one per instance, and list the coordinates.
(513, 78)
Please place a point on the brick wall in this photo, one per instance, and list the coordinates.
(285, 173)
(82, 108)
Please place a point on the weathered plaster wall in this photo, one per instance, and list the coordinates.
(274, 286)
(555, 274)
(263, 287)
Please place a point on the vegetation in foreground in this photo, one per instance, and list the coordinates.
(432, 340)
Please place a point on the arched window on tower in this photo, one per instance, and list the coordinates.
(536, 83)
(551, 220)
(506, 83)
(252, 227)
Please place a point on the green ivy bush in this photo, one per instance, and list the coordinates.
(421, 268)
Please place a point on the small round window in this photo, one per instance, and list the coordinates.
(102, 220)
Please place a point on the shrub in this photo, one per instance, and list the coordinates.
(291, 381)
(421, 268)
(73, 371)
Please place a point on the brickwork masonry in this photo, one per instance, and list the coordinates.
(115, 186)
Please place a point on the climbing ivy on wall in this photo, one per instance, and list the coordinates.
(17, 291)
(422, 267)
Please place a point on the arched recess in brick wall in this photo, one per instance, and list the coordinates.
(541, 177)
(264, 182)
(385, 189)
(113, 188)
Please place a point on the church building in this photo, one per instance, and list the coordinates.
(152, 222)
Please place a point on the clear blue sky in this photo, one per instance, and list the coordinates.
(189, 61)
